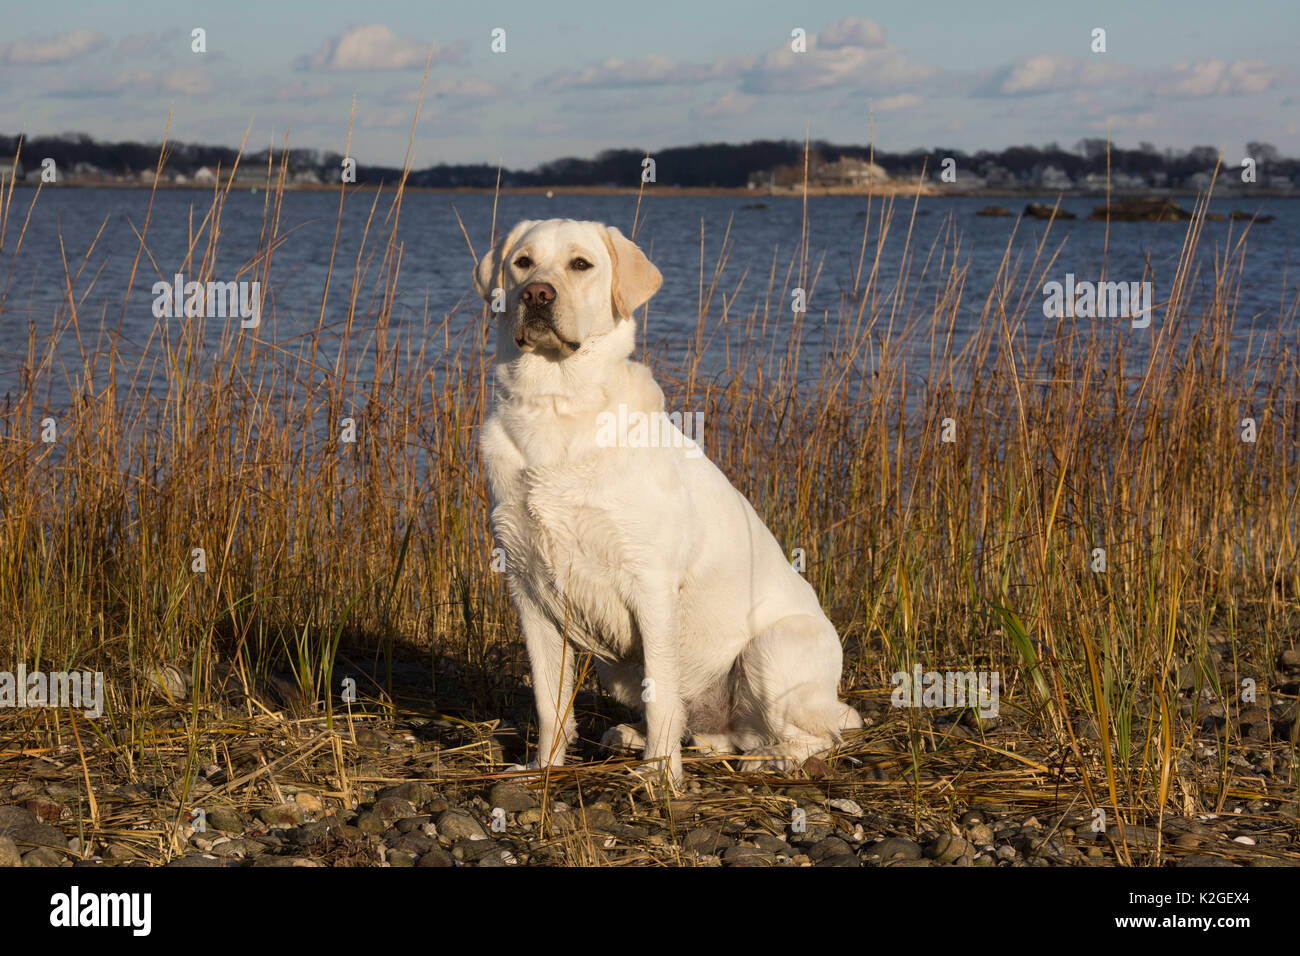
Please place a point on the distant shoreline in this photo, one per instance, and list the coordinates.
(891, 189)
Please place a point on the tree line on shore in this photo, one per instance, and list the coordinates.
(718, 165)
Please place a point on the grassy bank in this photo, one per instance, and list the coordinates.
(324, 556)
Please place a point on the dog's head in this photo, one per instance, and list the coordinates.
(557, 282)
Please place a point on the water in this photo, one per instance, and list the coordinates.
(436, 265)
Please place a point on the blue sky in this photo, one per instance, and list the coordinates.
(578, 77)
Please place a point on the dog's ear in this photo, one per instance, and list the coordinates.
(635, 277)
(488, 274)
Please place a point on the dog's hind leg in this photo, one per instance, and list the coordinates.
(786, 691)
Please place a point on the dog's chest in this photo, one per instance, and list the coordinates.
(566, 551)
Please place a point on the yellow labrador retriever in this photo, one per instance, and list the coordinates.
(640, 552)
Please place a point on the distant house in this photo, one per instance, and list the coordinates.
(960, 177)
(1053, 178)
(998, 177)
(305, 177)
(204, 177)
(1198, 181)
(849, 171)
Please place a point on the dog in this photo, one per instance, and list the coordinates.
(642, 554)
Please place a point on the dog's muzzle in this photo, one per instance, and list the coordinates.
(537, 332)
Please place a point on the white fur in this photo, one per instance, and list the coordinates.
(645, 556)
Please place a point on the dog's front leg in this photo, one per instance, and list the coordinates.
(551, 659)
(661, 691)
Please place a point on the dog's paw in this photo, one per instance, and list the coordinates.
(621, 738)
(713, 744)
(522, 769)
(659, 773)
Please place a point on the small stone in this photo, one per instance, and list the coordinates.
(769, 843)
(11, 817)
(840, 859)
(511, 798)
(309, 802)
(947, 848)
(845, 806)
(705, 840)
(38, 835)
(392, 809)
(371, 823)
(413, 791)
(437, 857)
(454, 825)
(285, 815)
(226, 820)
(746, 856)
(41, 856)
(895, 848)
(417, 844)
(472, 851)
(401, 858)
(9, 855)
(831, 846)
(413, 824)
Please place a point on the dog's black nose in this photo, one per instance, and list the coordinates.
(538, 293)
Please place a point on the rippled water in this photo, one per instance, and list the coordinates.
(436, 264)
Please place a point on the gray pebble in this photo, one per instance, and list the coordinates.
(746, 856)
(894, 848)
(511, 798)
(289, 814)
(947, 848)
(705, 840)
(455, 825)
(9, 853)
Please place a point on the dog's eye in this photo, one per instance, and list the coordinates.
(581, 264)
(523, 262)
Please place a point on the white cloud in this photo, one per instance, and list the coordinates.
(1218, 78)
(731, 103)
(851, 32)
(903, 101)
(652, 70)
(784, 71)
(192, 81)
(375, 47)
(59, 49)
(1049, 73)
(187, 81)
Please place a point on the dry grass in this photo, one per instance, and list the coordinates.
(971, 554)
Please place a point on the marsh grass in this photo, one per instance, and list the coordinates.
(969, 554)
